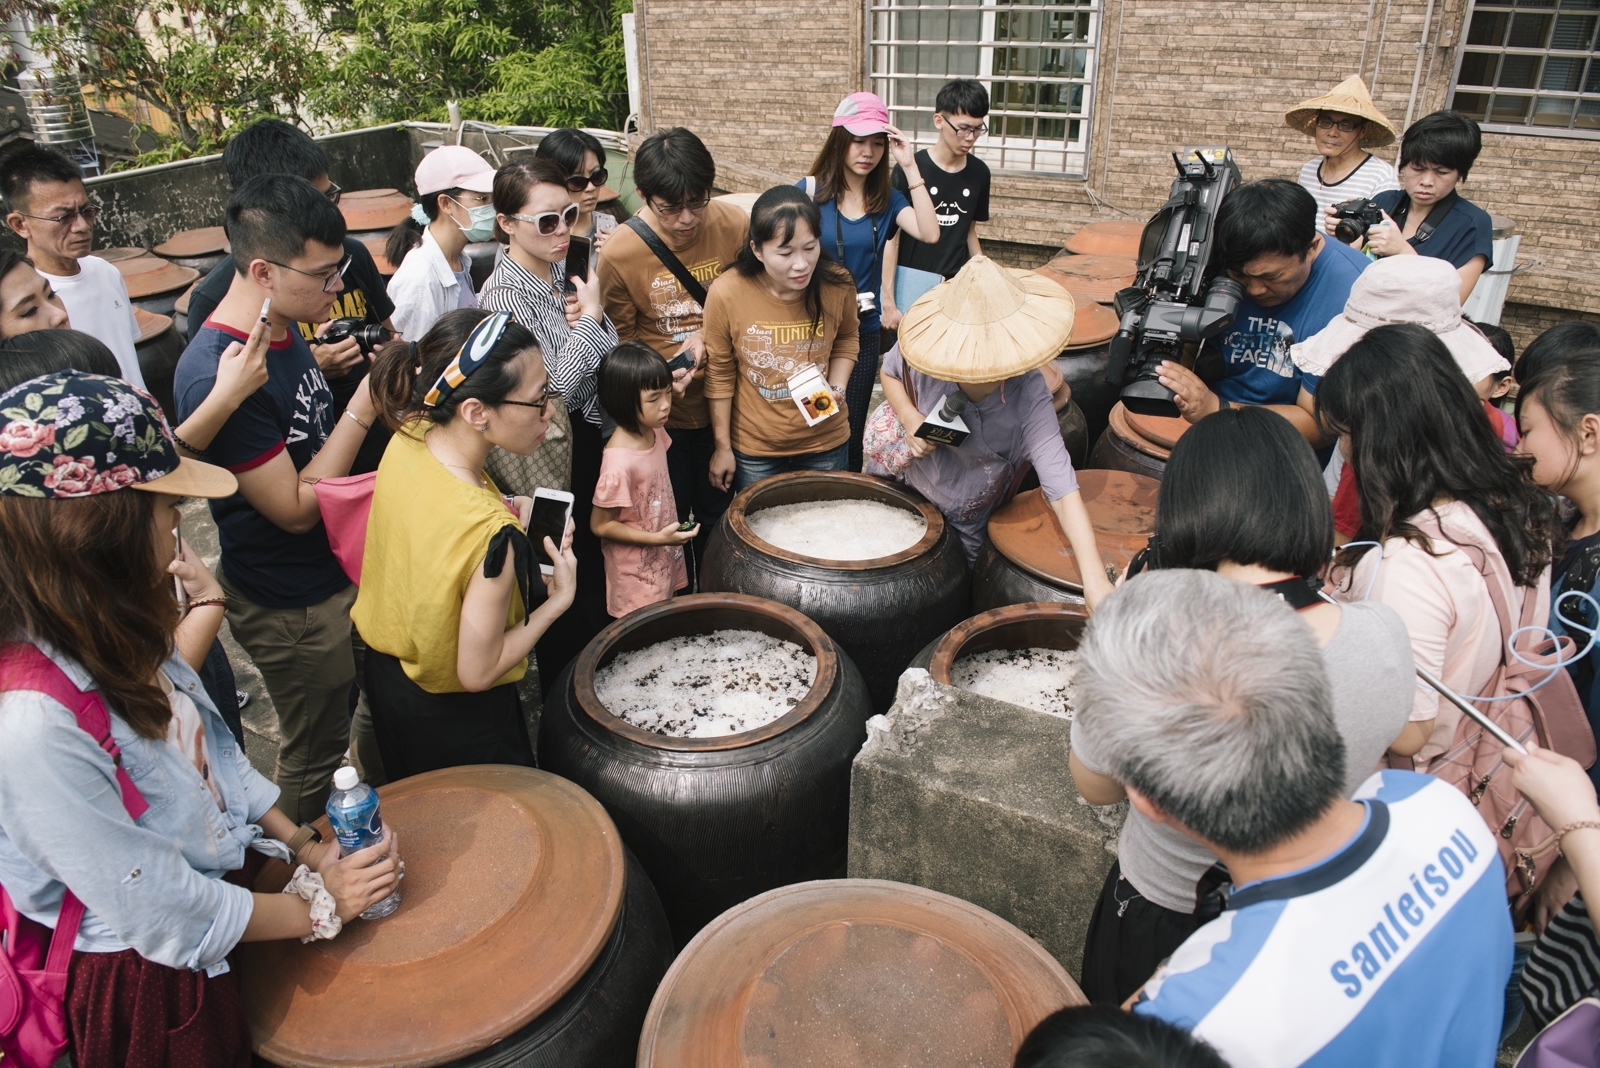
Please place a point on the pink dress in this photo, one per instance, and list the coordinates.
(636, 484)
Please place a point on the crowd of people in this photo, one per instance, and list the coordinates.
(1323, 861)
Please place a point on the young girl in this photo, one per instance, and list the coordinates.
(635, 515)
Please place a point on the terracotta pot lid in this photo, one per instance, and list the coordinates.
(605, 193)
(163, 278)
(1095, 325)
(181, 306)
(1153, 435)
(375, 246)
(1109, 238)
(202, 242)
(1122, 510)
(853, 972)
(151, 325)
(514, 881)
(1094, 279)
(121, 252)
(374, 209)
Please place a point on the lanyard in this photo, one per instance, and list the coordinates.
(838, 237)
(1436, 215)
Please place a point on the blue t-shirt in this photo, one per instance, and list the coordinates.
(1255, 349)
(1465, 231)
(1391, 953)
(860, 257)
(293, 412)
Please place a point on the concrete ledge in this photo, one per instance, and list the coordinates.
(972, 797)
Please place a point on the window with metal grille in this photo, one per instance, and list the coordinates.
(1531, 66)
(1036, 58)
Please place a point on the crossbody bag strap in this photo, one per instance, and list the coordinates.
(690, 283)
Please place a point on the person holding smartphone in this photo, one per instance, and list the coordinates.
(447, 605)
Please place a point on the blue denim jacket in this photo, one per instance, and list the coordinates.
(156, 885)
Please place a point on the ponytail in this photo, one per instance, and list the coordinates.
(407, 233)
(404, 371)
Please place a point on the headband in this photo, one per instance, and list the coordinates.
(469, 357)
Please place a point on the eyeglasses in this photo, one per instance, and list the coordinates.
(545, 221)
(90, 213)
(329, 281)
(542, 403)
(577, 183)
(1328, 122)
(670, 211)
(333, 193)
(968, 131)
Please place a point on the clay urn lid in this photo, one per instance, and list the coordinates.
(853, 972)
(1096, 278)
(150, 324)
(373, 209)
(1116, 237)
(514, 881)
(146, 276)
(121, 252)
(375, 247)
(181, 305)
(1096, 324)
(1122, 510)
(1162, 430)
(205, 241)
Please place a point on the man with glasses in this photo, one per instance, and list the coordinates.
(1344, 125)
(288, 598)
(957, 181)
(50, 209)
(647, 301)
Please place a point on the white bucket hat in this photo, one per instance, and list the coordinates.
(1403, 289)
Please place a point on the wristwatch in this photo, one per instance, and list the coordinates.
(303, 837)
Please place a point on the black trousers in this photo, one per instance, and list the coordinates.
(419, 731)
(216, 675)
(858, 393)
(587, 617)
(689, 467)
(1128, 937)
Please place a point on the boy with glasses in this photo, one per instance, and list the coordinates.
(957, 181)
(49, 208)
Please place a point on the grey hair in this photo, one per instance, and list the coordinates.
(1211, 699)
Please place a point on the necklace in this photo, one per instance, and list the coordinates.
(477, 476)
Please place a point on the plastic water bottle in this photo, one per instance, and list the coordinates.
(357, 823)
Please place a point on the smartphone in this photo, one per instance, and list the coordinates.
(579, 250)
(681, 361)
(552, 508)
(177, 554)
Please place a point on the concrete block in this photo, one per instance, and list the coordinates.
(972, 797)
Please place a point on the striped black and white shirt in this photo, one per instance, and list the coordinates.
(572, 354)
(1564, 965)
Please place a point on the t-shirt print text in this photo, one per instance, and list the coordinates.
(771, 352)
(1264, 342)
(312, 402)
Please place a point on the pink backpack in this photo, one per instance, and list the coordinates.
(33, 959)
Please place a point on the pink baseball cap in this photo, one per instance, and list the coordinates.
(862, 114)
(454, 167)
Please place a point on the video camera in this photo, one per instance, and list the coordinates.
(1171, 301)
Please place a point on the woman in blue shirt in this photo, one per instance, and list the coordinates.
(861, 211)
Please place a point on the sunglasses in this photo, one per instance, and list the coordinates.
(545, 222)
(577, 183)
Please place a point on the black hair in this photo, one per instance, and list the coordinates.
(963, 95)
(565, 148)
(273, 146)
(1555, 343)
(673, 166)
(1568, 388)
(1499, 337)
(626, 372)
(1418, 434)
(777, 213)
(515, 181)
(272, 216)
(1243, 485)
(44, 352)
(1270, 216)
(403, 372)
(1103, 1036)
(11, 259)
(34, 163)
(407, 233)
(1443, 139)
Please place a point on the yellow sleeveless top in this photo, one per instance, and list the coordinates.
(427, 534)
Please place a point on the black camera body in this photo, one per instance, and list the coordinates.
(368, 335)
(1355, 217)
(1174, 300)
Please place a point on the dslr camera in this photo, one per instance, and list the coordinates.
(368, 335)
(1174, 299)
(1355, 217)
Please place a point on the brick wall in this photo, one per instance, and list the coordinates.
(758, 80)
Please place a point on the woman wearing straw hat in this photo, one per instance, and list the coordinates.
(985, 333)
(1344, 125)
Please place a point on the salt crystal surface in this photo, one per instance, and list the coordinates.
(839, 530)
(707, 685)
(1040, 679)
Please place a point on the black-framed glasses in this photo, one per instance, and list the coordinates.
(577, 183)
(333, 193)
(963, 130)
(90, 213)
(670, 211)
(1328, 122)
(546, 221)
(328, 280)
(541, 404)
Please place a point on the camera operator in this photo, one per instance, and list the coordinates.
(1344, 125)
(1295, 280)
(1427, 216)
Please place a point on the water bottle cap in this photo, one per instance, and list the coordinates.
(346, 778)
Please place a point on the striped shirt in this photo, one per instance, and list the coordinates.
(1564, 965)
(572, 354)
(1371, 177)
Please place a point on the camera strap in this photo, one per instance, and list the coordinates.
(838, 239)
(1436, 215)
(691, 285)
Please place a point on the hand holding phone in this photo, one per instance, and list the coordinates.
(551, 514)
(580, 253)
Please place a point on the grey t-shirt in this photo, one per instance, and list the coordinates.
(1373, 675)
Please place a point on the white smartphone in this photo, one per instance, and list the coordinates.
(552, 508)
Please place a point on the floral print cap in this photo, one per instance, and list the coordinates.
(71, 434)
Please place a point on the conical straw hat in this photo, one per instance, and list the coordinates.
(1350, 97)
(986, 324)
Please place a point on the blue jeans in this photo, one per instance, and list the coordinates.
(752, 469)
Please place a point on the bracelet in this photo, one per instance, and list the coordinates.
(1577, 825)
(357, 418)
(186, 446)
(919, 185)
(220, 602)
(325, 922)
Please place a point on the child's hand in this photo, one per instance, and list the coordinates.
(674, 536)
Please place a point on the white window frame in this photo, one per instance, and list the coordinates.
(1004, 154)
(1527, 129)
